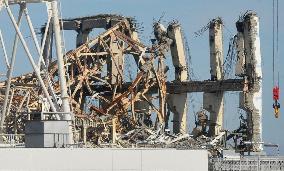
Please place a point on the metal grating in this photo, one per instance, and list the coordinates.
(259, 163)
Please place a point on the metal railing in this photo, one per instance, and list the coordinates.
(11, 140)
(43, 114)
(252, 163)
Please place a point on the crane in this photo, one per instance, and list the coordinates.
(276, 104)
(276, 89)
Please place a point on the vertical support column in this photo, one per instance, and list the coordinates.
(178, 102)
(116, 62)
(61, 71)
(251, 100)
(216, 49)
(214, 102)
(240, 46)
(82, 37)
(138, 57)
(141, 107)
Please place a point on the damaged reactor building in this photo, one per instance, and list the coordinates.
(84, 99)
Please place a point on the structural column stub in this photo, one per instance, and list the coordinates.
(214, 102)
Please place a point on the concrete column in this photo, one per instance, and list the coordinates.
(251, 101)
(240, 46)
(115, 64)
(141, 107)
(137, 57)
(214, 102)
(178, 102)
(82, 37)
(216, 49)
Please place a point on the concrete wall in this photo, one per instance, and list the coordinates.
(103, 159)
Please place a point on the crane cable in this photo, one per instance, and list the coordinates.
(276, 90)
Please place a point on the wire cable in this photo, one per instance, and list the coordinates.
(273, 43)
(277, 28)
(277, 37)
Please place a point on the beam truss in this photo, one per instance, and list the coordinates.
(42, 84)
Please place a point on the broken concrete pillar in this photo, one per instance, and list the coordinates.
(240, 47)
(82, 37)
(115, 63)
(178, 52)
(214, 102)
(178, 102)
(251, 101)
(141, 107)
(178, 106)
(138, 57)
(216, 49)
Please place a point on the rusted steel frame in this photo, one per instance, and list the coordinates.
(102, 80)
(77, 106)
(100, 111)
(72, 55)
(162, 95)
(102, 98)
(126, 94)
(88, 86)
(79, 65)
(120, 97)
(132, 43)
(151, 104)
(79, 85)
(111, 55)
(132, 100)
(94, 54)
(83, 48)
(81, 78)
(119, 25)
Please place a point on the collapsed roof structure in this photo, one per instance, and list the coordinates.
(85, 98)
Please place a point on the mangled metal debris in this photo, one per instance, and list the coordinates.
(107, 109)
